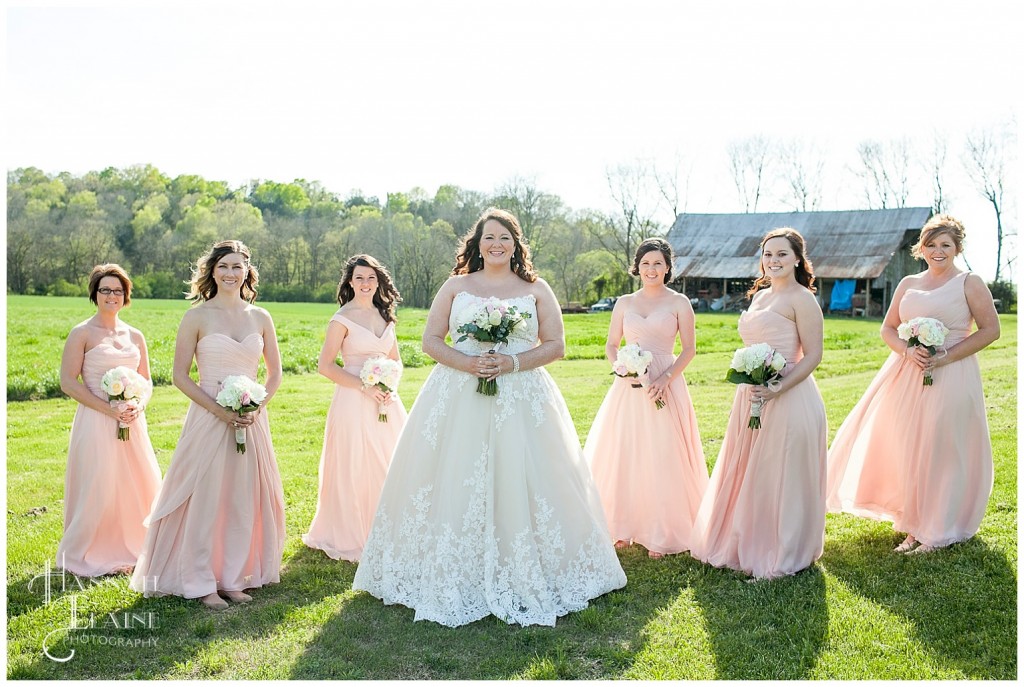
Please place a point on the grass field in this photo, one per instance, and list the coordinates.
(861, 612)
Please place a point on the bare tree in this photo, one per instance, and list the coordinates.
(634, 220)
(935, 166)
(667, 182)
(749, 161)
(802, 165)
(535, 209)
(986, 159)
(885, 172)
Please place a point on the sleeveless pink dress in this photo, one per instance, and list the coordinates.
(919, 456)
(764, 511)
(219, 520)
(648, 464)
(356, 453)
(110, 484)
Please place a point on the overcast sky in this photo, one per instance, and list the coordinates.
(389, 95)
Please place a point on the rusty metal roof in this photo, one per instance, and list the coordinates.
(842, 244)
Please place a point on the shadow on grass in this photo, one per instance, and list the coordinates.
(183, 627)
(962, 600)
(366, 639)
(769, 629)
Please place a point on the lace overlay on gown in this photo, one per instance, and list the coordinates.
(488, 507)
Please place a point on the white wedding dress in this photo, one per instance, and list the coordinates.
(488, 506)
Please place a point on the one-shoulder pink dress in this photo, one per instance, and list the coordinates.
(110, 484)
(356, 453)
(218, 523)
(648, 463)
(919, 456)
(764, 511)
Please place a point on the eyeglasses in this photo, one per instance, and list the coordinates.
(110, 292)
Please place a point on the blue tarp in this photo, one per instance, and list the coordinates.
(842, 294)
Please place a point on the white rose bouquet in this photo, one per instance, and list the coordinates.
(633, 361)
(490, 320)
(384, 374)
(760, 365)
(125, 388)
(242, 395)
(926, 332)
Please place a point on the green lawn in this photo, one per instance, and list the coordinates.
(861, 612)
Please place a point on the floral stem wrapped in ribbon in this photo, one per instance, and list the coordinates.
(926, 332)
(633, 361)
(759, 365)
(125, 388)
(383, 373)
(242, 395)
(490, 320)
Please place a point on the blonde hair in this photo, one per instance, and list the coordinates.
(937, 225)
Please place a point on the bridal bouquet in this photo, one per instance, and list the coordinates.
(760, 365)
(242, 395)
(384, 374)
(926, 332)
(124, 388)
(632, 361)
(490, 320)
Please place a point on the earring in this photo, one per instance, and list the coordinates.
(797, 264)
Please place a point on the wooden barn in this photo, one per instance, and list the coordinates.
(860, 254)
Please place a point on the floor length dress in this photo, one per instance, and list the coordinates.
(489, 507)
(648, 463)
(218, 523)
(110, 484)
(356, 453)
(919, 456)
(764, 511)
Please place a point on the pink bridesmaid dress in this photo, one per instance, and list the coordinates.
(218, 523)
(356, 454)
(110, 484)
(648, 464)
(764, 511)
(919, 456)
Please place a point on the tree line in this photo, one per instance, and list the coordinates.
(60, 225)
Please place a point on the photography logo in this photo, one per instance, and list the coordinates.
(107, 629)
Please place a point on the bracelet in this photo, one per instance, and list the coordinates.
(515, 362)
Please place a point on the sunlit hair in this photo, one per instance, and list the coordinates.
(386, 298)
(936, 226)
(468, 258)
(109, 269)
(648, 246)
(804, 272)
(203, 287)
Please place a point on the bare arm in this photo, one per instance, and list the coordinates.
(328, 367)
(184, 353)
(271, 356)
(983, 310)
(71, 362)
(437, 327)
(611, 346)
(550, 332)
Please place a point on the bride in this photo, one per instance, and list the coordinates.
(488, 507)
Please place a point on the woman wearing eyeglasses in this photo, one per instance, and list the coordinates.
(110, 483)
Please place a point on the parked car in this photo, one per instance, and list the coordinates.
(573, 307)
(604, 305)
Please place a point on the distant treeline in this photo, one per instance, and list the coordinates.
(300, 233)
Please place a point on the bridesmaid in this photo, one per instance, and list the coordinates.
(217, 527)
(648, 463)
(764, 511)
(110, 484)
(920, 456)
(357, 447)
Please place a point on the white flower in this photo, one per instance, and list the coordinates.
(778, 362)
(494, 319)
(234, 387)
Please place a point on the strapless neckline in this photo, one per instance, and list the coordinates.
(244, 339)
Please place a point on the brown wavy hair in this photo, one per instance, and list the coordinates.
(109, 269)
(468, 258)
(386, 298)
(939, 224)
(648, 246)
(804, 271)
(203, 287)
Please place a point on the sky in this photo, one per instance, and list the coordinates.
(389, 95)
